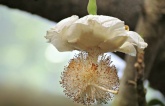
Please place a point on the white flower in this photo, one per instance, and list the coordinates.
(88, 79)
(108, 34)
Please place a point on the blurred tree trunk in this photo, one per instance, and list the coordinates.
(127, 93)
(151, 26)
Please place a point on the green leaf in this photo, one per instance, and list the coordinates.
(154, 102)
(92, 7)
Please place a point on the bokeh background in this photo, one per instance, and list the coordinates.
(30, 68)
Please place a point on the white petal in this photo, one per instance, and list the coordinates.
(57, 35)
(62, 46)
(113, 44)
(66, 22)
(111, 25)
(136, 39)
(56, 39)
(92, 31)
(84, 37)
(99, 18)
(128, 48)
(88, 32)
(61, 26)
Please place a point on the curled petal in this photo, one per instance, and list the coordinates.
(66, 22)
(57, 35)
(136, 39)
(84, 36)
(61, 27)
(128, 48)
(56, 39)
(113, 44)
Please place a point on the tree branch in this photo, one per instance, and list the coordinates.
(127, 92)
(141, 91)
(58, 9)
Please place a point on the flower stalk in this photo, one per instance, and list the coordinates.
(92, 7)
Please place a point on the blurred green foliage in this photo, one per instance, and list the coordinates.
(155, 102)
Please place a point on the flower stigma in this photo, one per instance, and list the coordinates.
(88, 79)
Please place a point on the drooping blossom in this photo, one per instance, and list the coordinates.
(108, 34)
(90, 76)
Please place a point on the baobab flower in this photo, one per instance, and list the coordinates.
(107, 34)
(90, 77)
